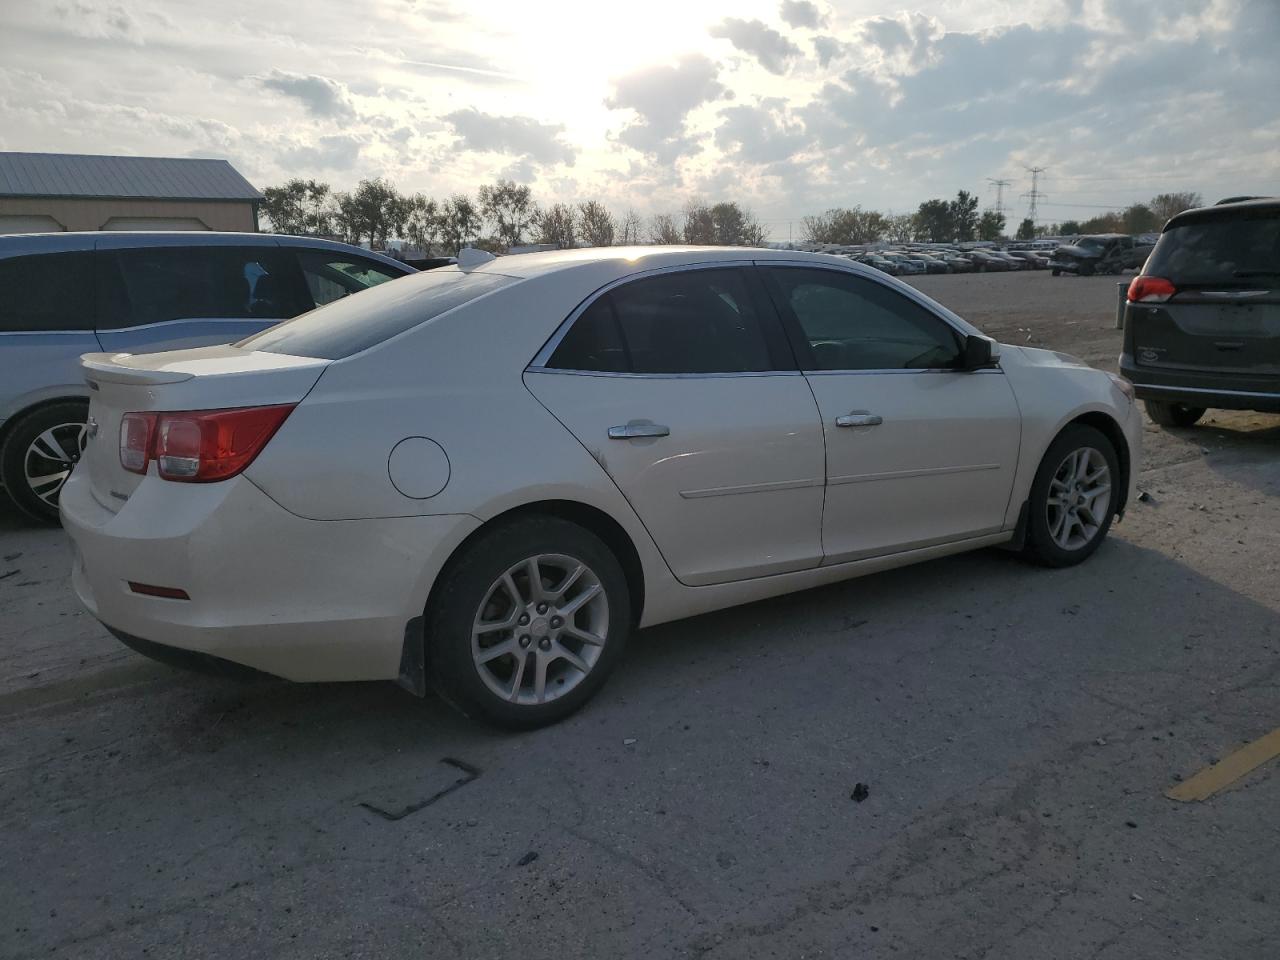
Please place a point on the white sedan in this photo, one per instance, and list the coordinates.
(483, 478)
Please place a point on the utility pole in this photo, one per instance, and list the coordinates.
(1035, 195)
(999, 185)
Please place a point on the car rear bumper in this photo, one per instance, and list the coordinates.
(301, 599)
(1198, 388)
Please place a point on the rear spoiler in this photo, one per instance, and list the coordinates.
(115, 368)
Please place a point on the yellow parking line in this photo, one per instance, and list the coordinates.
(1227, 771)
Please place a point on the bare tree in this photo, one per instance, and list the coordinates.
(510, 208)
(1166, 205)
(662, 229)
(595, 223)
(556, 225)
(900, 228)
(629, 228)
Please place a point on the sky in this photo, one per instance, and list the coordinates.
(787, 106)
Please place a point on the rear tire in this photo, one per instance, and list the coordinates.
(514, 652)
(1057, 272)
(1073, 498)
(1173, 414)
(38, 454)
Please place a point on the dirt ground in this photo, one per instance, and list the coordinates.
(1016, 730)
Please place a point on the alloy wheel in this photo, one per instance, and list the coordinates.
(1079, 498)
(540, 629)
(50, 457)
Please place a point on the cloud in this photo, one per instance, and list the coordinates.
(519, 136)
(662, 97)
(828, 49)
(322, 97)
(802, 14)
(337, 152)
(770, 48)
(761, 134)
(108, 22)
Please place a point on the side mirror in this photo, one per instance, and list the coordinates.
(979, 353)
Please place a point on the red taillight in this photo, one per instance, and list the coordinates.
(1150, 290)
(136, 433)
(199, 446)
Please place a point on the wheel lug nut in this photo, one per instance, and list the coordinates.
(544, 643)
(524, 619)
(542, 608)
(525, 640)
(557, 622)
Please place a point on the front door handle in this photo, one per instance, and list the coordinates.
(636, 429)
(859, 420)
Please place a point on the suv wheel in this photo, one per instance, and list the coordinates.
(1173, 414)
(1072, 498)
(38, 455)
(529, 622)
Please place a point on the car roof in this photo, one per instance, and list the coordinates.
(638, 259)
(16, 244)
(1258, 207)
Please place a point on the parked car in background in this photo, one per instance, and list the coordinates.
(1202, 319)
(880, 263)
(907, 266)
(957, 263)
(1103, 253)
(1015, 263)
(65, 294)
(932, 264)
(984, 261)
(1035, 261)
(688, 432)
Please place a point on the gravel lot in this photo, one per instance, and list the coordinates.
(1016, 727)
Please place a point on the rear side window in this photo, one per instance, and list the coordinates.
(51, 291)
(696, 321)
(352, 324)
(158, 284)
(332, 276)
(1231, 252)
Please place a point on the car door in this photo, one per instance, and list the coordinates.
(681, 385)
(172, 296)
(918, 452)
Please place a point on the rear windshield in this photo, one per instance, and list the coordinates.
(1218, 251)
(358, 322)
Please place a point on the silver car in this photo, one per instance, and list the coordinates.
(66, 294)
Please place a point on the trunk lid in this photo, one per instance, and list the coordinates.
(205, 378)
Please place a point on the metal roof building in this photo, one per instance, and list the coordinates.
(42, 192)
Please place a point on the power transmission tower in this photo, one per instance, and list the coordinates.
(999, 185)
(1035, 195)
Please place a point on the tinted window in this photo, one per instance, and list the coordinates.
(1218, 251)
(696, 321)
(331, 276)
(179, 283)
(52, 291)
(852, 323)
(352, 324)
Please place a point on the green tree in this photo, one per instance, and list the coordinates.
(845, 226)
(595, 223)
(510, 208)
(1068, 228)
(991, 225)
(556, 225)
(1140, 218)
(935, 220)
(299, 207)
(722, 224)
(459, 222)
(1027, 229)
(422, 226)
(964, 216)
(375, 211)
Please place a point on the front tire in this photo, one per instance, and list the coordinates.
(38, 455)
(528, 622)
(1073, 497)
(1173, 414)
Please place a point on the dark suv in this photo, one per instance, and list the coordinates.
(1202, 321)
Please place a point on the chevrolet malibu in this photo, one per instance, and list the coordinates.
(482, 479)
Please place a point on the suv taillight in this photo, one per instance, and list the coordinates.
(198, 446)
(1150, 290)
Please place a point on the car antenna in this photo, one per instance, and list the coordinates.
(469, 258)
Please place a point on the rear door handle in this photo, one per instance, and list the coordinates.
(859, 420)
(636, 429)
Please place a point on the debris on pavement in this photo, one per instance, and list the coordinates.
(527, 859)
(860, 792)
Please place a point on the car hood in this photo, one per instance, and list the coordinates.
(1036, 357)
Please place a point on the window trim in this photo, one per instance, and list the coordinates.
(800, 344)
(761, 302)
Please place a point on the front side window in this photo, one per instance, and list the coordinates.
(50, 291)
(331, 276)
(851, 323)
(158, 284)
(693, 321)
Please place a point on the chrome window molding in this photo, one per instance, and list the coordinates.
(663, 376)
(45, 333)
